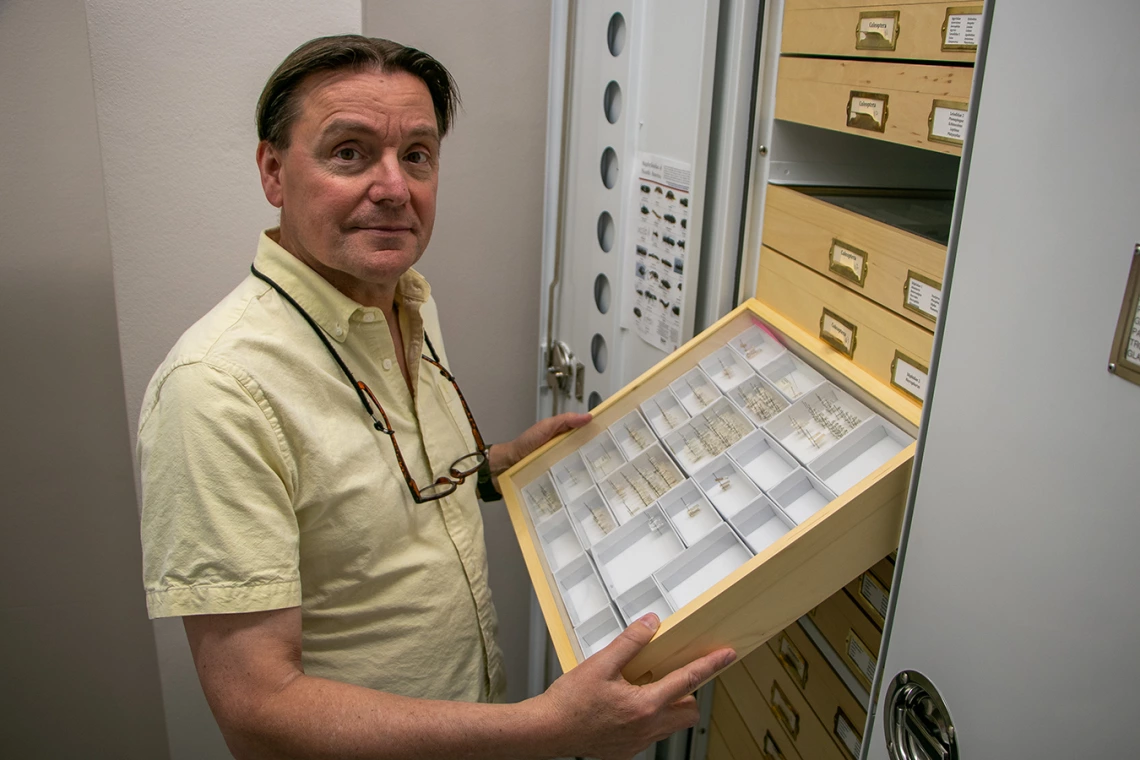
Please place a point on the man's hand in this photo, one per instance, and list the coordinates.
(601, 715)
(504, 455)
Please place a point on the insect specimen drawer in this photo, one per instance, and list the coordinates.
(747, 477)
(889, 246)
(912, 104)
(915, 30)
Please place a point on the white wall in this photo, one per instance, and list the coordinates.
(176, 84)
(485, 257)
(78, 671)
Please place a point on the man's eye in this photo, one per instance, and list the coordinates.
(417, 157)
(348, 154)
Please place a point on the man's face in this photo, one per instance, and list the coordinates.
(357, 184)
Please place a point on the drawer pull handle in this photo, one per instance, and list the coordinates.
(771, 750)
(877, 30)
(784, 712)
(867, 110)
(789, 656)
(847, 261)
(838, 333)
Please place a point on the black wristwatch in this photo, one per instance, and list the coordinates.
(485, 487)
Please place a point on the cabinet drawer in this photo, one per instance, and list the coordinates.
(795, 732)
(718, 748)
(871, 590)
(833, 703)
(794, 542)
(850, 633)
(892, 349)
(834, 233)
(920, 31)
(807, 730)
(748, 732)
(907, 103)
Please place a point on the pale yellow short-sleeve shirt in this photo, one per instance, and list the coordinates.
(265, 485)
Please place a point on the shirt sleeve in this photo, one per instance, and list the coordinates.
(219, 532)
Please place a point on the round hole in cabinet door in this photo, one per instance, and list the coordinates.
(609, 168)
(602, 293)
(611, 102)
(615, 34)
(594, 399)
(606, 231)
(598, 352)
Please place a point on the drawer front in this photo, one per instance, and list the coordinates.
(850, 633)
(911, 104)
(871, 590)
(892, 267)
(774, 587)
(919, 31)
(809, 730)
(756, 685)
(833, 703)
(717, 749)
(893, 350)
(757, 737)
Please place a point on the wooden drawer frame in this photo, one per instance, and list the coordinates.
(818, 91)
(812, 737)
(841, 620)
(754, 726)
(824, 690)
(828, 27)
(807, 229)
(880, 337)
(779, 584)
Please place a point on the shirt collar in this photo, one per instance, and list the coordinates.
(329, 308)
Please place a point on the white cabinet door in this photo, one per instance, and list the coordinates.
(638, 82)
(1018, 589)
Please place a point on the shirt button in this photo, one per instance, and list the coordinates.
(369, 317)
(387, 364)
(339, 331)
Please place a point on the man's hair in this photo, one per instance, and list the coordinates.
(277, 108)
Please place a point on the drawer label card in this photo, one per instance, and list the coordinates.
(962, 28)
(848, 262)
(877, 30)
(838, 333)
(923, 295)
(909, 376)
(1124, 361)
(867, 110)
(873, 591)
(849, 738)
(784, 712)
(947, 122)
(793, 662)
(861, 656)
(771, 750)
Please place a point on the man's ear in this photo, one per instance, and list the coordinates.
(269, 165)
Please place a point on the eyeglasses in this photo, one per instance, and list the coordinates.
(461, 469)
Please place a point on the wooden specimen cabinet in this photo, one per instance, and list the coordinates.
(731, 489)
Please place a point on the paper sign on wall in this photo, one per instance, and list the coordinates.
(656, 252)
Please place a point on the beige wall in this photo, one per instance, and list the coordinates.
(78, 670)
(484, 261)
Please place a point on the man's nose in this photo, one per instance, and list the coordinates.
(389, 183)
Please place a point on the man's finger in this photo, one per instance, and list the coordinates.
(619, 652)
(568, 421)
(685, 680)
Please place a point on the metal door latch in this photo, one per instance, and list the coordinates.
(564, 372)
(917, 722)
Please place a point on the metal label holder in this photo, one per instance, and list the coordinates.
(1124, 361)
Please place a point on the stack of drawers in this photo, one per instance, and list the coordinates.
(864, 267)
(788, 699)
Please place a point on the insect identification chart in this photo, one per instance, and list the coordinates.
(655, 250)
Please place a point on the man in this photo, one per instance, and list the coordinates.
(308, 464)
